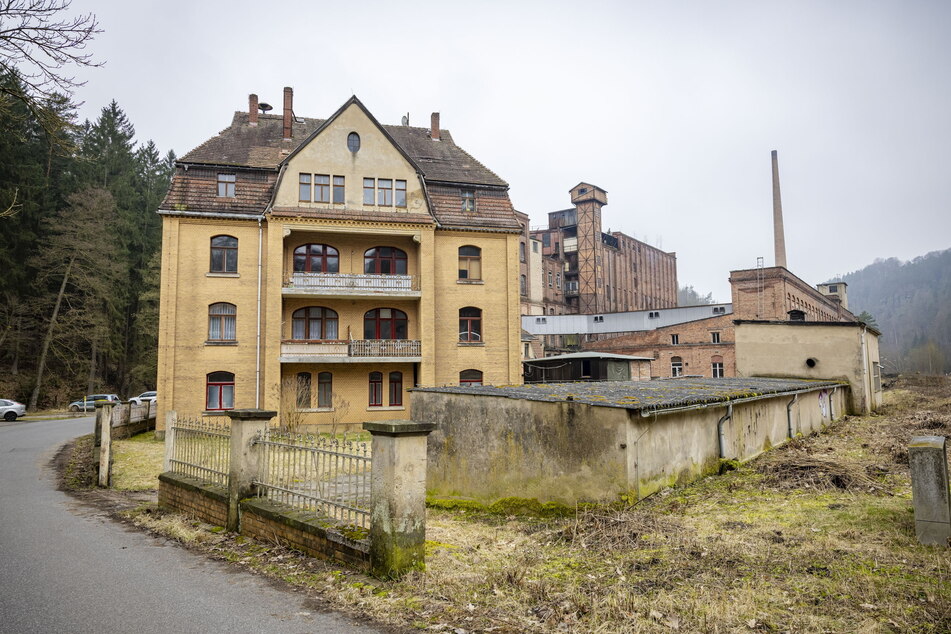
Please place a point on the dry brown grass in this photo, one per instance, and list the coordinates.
(802, 540)
(137, 462)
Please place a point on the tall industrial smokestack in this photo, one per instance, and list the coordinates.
(779, 237)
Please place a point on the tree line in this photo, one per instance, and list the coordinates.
(911, 304)
(80, 251)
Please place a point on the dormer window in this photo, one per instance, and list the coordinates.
(226, 185)
(468, 200)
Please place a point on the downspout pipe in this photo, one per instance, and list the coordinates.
(257, 343)
(721, 441)
(789, 427)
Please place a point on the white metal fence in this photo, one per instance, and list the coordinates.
(324, 475)
(201, 449)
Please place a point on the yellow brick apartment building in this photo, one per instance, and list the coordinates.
(322, 268)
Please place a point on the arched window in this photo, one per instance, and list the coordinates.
(676, 366)
(303, 390)
(384, 323)
(396, 389)
(313, 323)
(224, 254)
(470, 324)
(376, 389)
(716, 363)
(384, 261)
(219, 391)
(316, 258)
(470, 263)
(470, 377)
(221, 322)
(325, 390)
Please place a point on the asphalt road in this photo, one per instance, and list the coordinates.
(66, 567)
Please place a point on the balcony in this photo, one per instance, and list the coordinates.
(350, 285)
(355, 351)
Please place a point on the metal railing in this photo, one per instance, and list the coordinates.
(316, 474)
(201, 449)
(350, 281)
(385, 348)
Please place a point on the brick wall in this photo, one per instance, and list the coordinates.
(264, 520)
(261, 519)
(194, 498)
(695, 346)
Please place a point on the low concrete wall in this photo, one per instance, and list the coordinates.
(488, 447)
(680, 447)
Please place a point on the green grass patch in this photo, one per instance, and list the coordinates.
(137, 462)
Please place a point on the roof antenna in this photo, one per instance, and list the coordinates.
(406, 119)
(265, 107)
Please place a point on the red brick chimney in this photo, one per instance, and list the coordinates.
(252, 109)
(288, 112)
(434, 132)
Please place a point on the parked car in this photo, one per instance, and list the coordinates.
(144, 397)
(88, 403)
(11, 409)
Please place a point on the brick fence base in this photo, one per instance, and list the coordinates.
(264, 520)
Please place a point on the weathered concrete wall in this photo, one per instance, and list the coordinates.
(488, 448)
(677, 448)
(805, 350)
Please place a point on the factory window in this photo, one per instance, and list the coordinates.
(674, 339)
(546, 239)
(303, 390)
(224, 254)
(717, 368)
(396, 389)
(521, 285)
(715, 337)
(676, 366)
(470, 324)
(549, 279)
(534, 246)
(833, 288)
(521, 251)
(470, 263)
(219, 391)
(470, 377)
(221, 322)
(313, 323)
(468, 200)
(226, 185)
(376, 390)
(325, 390)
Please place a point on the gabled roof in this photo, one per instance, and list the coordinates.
(263, 146)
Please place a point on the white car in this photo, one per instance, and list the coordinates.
(144, 397)
(9, 410)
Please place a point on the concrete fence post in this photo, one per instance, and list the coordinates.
(398, 496)
(104, 424)
(246, 461)
(928, 459)
(169, 434)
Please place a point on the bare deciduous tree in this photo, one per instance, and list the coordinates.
(38, 42)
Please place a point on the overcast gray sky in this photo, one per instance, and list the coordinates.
(672, 107)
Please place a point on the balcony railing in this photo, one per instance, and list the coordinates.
(351, 284)
(360, 348)
(385, 348)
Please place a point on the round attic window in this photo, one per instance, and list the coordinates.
(353, 142)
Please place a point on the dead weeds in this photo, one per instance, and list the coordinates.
(802, 540)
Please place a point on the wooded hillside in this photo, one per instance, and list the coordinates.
(79, 255)
(911, 303)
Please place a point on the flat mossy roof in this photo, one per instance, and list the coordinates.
(652, 395)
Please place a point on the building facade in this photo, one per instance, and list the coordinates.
(321, 268)
(583, 270)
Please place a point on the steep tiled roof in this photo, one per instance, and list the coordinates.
(263, 146)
